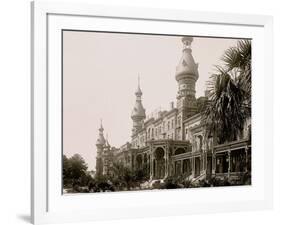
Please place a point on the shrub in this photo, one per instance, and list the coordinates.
(246, 179)
(216, 182)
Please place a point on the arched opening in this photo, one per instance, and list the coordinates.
(159, 164)
(145, 158)
(145, 163)
(179, 151)
(139, 161)
(178, 168)
(186, 167)
(197, 167)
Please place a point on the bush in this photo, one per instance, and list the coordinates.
(204, 183)
(169, 183)
(100, 184)
(246, 179)
(217, 182)
(173, 182)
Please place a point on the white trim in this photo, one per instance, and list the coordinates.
(39, 200)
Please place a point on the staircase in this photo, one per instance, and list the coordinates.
(198, 178)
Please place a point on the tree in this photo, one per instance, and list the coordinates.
(66, 171)
(123, 176)
(239, 59)
(74, 170)
(78, 166)
(230, 94)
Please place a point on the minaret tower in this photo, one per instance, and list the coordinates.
(106, 157)
(186, 76)
(138, 113)
(100, 145)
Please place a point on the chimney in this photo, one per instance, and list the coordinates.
(171, 105)
(159, 114)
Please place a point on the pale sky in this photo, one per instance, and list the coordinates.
(100, 73)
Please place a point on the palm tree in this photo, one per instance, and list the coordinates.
(230, 94)
(123, 176)
(239, 59)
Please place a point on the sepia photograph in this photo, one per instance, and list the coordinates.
(154, 111)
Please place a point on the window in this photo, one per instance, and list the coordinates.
(179, 120)
(168, 125)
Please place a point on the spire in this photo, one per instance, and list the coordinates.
(101, 127)
(138, 92)
(100, 140)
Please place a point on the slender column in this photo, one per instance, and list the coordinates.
(148, 163)
(229, 163)
(213, 159)
(189, 167)
(246, 158)
(181, 167)
(166, 163)
(205, 160)
(214, 163)
(201, 165)
(151, 166)
(133, 161)
(193, 166)
(142, 160)
(154, 173)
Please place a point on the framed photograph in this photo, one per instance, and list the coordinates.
(147, 112)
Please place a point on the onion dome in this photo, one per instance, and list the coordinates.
(138, 111)
(187, 68)
(101, 139)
